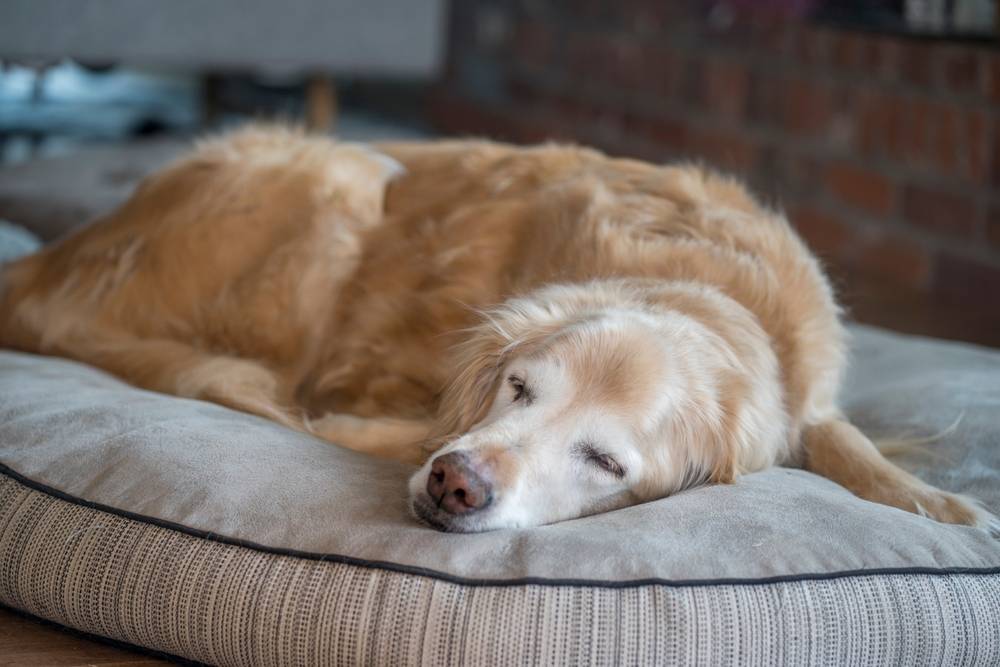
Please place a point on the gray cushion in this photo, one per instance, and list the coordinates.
(185, 527)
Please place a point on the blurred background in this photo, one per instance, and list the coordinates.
(874, 124)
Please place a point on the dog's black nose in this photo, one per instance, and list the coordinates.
(455, 487)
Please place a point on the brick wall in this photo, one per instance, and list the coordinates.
(885, 151)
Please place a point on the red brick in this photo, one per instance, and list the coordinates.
(975, 156)
(524, 93)
(861, 188)
(728, 151)
(917, 130)
(570, 110)
(543, 115)
(457, 115)
(663, 71)
(663, 132)
(643, 16)
(617, 61)
(916, 64)
(995, 159)
(725, 85)
(993, 225)
(534, 42)
(991, 80)
(945, 138)
(809, 45)
(575, 115)
(461, 116)
(825, 234)
(626, 64)
(765, 179)
(896, 258)
(767, 35)
(797, 176)
(890, 50)
(872, 52)
(803, 173)
(808, 106)
(873, 120)
(586, 54)
(877, 253)
(549, 116)
(961, 70)
(843, 51)
(764, 99)
(588, 10)
(852, 50)
(965, 280)
(898, 110)
(946, 213)
(881, 124)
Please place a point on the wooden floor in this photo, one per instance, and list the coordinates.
(25, 642)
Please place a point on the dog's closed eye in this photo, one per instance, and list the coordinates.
(603, 461)
(521, 391)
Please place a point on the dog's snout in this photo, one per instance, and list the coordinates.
(455, 486)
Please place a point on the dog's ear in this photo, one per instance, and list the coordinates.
(520, 326)
(710, 437)
(469, 395)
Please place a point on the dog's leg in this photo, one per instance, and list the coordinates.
(175, 368)
(385, 437)
(840, 452)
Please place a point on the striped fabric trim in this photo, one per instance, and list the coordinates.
(227, 604)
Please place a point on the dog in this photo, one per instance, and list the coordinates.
(547, 332)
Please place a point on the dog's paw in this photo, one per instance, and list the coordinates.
(953, 508)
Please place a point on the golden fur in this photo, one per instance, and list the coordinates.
(320, 285)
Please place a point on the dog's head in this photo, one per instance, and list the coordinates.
(583, 399)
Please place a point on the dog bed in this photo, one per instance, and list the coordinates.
(193, 530)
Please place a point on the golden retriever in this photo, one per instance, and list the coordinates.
(550, 332)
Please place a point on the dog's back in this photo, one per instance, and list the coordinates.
(247, 247)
